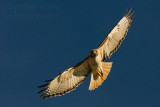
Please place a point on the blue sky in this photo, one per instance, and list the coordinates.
(40, 39)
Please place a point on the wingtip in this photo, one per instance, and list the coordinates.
(44, 94)
(129, 14)
(42, 85)
(42, 90)
(45, 97)
(49, 80)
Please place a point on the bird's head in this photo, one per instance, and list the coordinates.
(93, 53)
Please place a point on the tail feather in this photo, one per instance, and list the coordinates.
(97, 79)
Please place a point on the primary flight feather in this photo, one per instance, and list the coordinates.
(93, 63)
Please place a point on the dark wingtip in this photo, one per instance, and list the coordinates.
(43, 94)
(132, 16)
(129, 14)
(129, 11)
(42, 90)
(42, 85)
(45, 97)
(48, 80)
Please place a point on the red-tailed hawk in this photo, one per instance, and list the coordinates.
(93, 63)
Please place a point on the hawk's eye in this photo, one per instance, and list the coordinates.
(93, 53)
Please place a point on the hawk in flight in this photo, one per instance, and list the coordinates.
(93, 63)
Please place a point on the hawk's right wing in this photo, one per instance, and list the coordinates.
(116, 36)
(66, 81)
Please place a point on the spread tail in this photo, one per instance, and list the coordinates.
(98, 77)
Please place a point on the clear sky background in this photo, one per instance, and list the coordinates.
(40, 39)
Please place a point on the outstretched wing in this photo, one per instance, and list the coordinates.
(116, 36)
(66, 81)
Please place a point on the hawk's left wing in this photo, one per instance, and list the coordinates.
(116, 36)
(66, 81)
